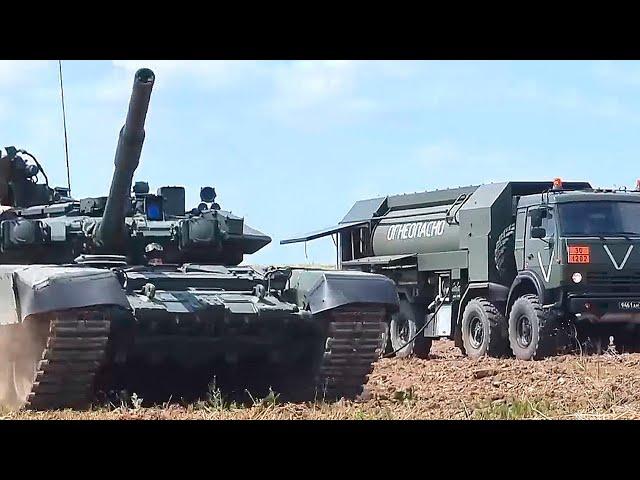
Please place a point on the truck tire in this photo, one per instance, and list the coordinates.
(403, 328)
(386, 340)
(504, 255)
(532, 331)
(483, 329)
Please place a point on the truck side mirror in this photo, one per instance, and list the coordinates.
(538, 232)
(537, 215)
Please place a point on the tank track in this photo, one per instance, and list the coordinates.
(75, 350)
(354, 342)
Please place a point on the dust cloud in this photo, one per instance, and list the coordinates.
(20, 350)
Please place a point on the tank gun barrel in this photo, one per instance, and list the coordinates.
(110, 232)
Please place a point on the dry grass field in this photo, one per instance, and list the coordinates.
(447, 386)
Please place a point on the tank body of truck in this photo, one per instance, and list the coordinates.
(516, 267)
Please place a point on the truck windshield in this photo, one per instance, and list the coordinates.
(599, 218)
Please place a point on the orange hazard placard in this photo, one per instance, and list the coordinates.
(579, 254)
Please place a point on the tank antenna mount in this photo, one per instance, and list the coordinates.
(64, 126)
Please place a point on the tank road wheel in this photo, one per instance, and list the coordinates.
(483, 329)
(531, 329)
(403, 328)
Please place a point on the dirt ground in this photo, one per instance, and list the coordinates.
(447, 386)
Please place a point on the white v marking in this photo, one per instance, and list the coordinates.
(613, 260)
(547, 274)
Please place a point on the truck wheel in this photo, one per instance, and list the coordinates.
(504, 256)
(531, 329)
(483, 329)
(386, 341)
(403, 328)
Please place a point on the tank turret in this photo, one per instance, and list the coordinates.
(46, 225)
(110, 233)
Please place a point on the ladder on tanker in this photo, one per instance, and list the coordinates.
(452, 213)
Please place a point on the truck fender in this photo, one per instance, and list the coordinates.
(494, 292)
(526, 280)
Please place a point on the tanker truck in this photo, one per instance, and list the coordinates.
(524, 268)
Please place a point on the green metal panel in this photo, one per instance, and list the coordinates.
(431, 198)
(482, 219)
(443, 260)
(478, 259)
(363, 210)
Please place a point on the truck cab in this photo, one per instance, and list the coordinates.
(578, 252)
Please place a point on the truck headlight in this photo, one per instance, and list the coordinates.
(576, 277)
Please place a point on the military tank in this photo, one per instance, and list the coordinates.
(135, 291)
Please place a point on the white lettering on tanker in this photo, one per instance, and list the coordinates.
(405, 231)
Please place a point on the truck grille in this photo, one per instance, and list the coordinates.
(628, 282)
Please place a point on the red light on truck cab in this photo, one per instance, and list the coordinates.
(579, 254)
(557, 184)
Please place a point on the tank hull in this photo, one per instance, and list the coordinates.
(317, 340)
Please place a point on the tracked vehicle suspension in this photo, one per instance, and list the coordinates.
(63, 353)
(354, 342)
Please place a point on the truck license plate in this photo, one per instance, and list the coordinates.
(629, 305)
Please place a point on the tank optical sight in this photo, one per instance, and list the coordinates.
(208, 194)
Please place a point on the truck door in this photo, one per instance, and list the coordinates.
(521, 233)
(540, 234)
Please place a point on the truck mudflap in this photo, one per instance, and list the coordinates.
(323, 290)
(40, 289)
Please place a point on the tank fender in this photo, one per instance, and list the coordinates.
(322, 290)
(40, 289)
(526, 279)
(9, 313)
